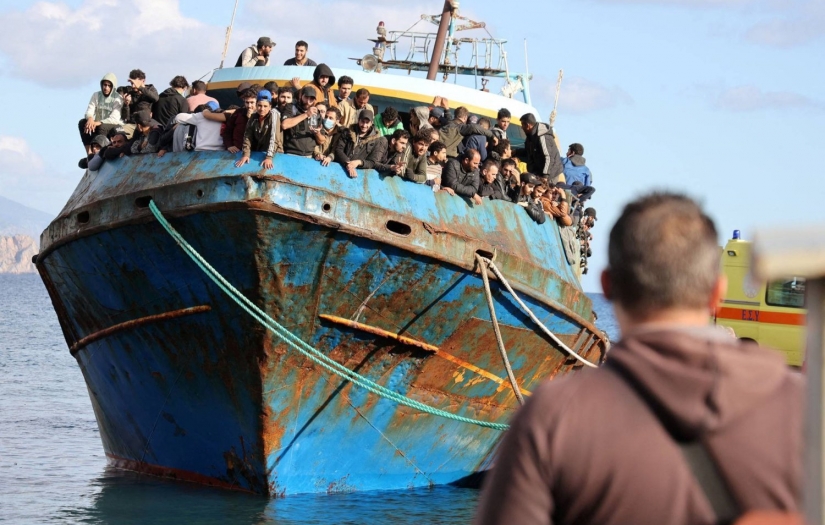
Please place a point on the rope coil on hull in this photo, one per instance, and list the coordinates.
(311, 353)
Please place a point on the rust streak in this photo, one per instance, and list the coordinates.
(379, 332)
(134, 323)
(418, 344)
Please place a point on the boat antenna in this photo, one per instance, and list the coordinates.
(526, 61)
(556, 103)
(441, 36)
(228, 34)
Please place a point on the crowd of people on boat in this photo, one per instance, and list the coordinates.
(450, 151)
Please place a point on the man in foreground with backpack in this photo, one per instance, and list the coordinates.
(678, 401)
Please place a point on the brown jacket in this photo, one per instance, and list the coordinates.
(559, 211)
(588, 449)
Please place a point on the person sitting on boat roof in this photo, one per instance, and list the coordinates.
(353, 108)
(233, 132)
(454, 132)
(302, 125)
(502, 123)
(171, 102)
(578, 178)
(208, 120)
(345, 84)
(256, 55)
(361, 146)
(461, 175)
(322, 81)
(261, 131)
(476, 141)
(119, 146)
(138, 92)
(396, 154)
(554, 203)
(524, 197)
(98, 143)
(540, 151)
(493, 184)
(332, 132)
(416, 169)
(103, 112)
(300, 58)
(388, 122)
(197, 95)
(147, 133)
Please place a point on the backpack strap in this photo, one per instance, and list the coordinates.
(704, 469)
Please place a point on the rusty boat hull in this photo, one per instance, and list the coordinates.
(186, 385)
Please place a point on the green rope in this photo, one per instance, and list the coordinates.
(316, 356)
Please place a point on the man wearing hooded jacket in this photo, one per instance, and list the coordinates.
(322, 81)
(611, 446)
(540, 151)
(102, 113)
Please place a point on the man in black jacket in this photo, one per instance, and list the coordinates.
(540, 152)
(524, 198)
(139, 91)
(361, 146)
(396, 155)
(493, 184)
(171, 102)
(462, 176)
(301, 125)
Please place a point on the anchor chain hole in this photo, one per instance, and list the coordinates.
(399, 228)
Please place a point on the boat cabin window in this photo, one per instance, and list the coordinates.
(787, 293)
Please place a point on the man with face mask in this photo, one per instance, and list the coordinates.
(332, 131)
(361, 146)
(102, 113)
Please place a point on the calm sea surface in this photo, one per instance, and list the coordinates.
(52, 467)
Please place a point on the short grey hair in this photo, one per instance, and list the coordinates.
(663, 253)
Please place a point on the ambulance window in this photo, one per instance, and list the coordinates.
(788, 293)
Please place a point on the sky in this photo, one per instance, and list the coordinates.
(720, 99)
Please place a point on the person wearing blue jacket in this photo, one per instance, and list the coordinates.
(578, 178)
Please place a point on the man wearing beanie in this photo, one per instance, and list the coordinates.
(361, 146)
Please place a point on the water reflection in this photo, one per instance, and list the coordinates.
(125, 497)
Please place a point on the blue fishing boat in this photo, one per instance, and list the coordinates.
(293, 330)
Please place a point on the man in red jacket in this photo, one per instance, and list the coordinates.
(236, 124)
(677, 401)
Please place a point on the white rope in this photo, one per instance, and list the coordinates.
(489, 294)
(529, 312)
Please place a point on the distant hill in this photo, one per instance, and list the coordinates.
(17, 219)
(16, 254)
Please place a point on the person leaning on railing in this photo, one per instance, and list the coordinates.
(261, 131)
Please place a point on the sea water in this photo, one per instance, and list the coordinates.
(53, 470)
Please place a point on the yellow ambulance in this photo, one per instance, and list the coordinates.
(772, 314)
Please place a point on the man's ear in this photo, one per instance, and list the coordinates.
(607, 285)
(720, 289)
